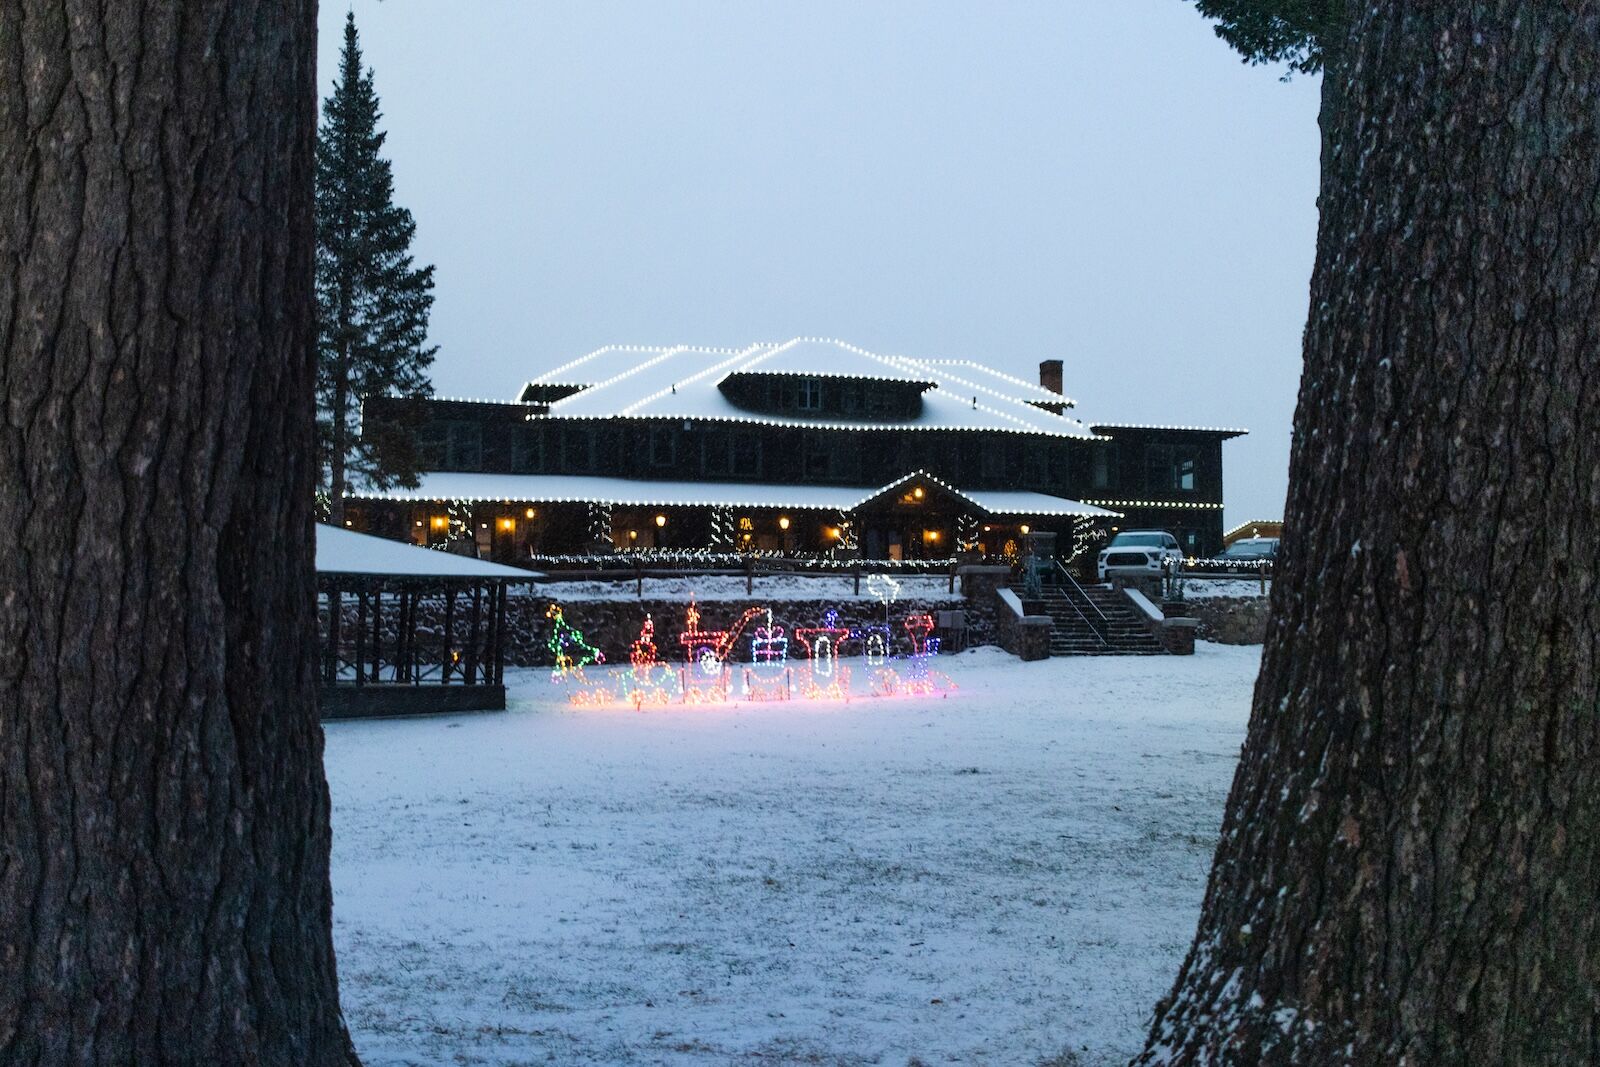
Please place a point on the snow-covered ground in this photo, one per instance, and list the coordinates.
(830, 587)
(1000, 876)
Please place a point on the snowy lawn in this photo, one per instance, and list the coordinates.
(1002, 876)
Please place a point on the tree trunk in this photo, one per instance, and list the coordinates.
(164, 893)
(1408, 865)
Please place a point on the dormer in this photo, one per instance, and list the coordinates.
(825, 397)
(548, 393)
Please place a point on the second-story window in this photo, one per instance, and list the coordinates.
(714, 452)
(810, 395)
(663, 447)
(464, 449)
(1171, 469)
(1103, 472)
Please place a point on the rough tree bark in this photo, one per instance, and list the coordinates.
(1409, 859)
(164, 893)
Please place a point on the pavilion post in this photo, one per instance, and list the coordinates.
(449, 635)
(473, 632)
(500, 643)
(330, 667)
(361, 636)
(402, 657)
(491, 634)
(377, 631)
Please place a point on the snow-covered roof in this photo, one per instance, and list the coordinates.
(834, 359)
(971, 374)
(683, 382)
(347, 552)
(568, 488)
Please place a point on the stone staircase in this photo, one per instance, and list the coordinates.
(1125, 632)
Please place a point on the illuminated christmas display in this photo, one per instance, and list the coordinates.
(814, 665)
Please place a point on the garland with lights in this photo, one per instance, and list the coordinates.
(600, 527)
(967, 532)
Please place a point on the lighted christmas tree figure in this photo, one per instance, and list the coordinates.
(570, 652)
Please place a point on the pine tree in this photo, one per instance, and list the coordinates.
(372, 300)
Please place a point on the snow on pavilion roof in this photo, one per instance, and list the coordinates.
(683, 381)
(347, 552)
(569, 488)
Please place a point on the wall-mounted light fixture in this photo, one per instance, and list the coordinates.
(783, 522)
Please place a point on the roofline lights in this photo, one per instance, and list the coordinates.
(1253, 522)
(417, 496)
(812, 424)
(1157, 426)
(1054, 398)
(1154, 504)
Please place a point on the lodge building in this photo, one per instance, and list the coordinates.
(808, 446)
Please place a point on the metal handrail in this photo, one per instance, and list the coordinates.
(1103, 630)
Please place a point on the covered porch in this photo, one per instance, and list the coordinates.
(539, 519)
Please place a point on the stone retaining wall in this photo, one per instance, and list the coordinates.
(1226, 620)
(613, 625)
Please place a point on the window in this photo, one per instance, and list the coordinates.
(818, 456)
(1103, 468)
(463, 446)
(663, 447)
(810, 395)
(432, 446)
(994, 462)
(1035, 465)
(714, 452)
(577, 450)
(527, 451)
(1170, 468)
(852, 398)
(747, 454)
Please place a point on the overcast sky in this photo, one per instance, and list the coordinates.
(1103, 183)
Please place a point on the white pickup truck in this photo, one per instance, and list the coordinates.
(1138, 554)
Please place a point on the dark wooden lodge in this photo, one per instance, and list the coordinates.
(804, 447)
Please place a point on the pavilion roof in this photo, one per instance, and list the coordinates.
(347, 552)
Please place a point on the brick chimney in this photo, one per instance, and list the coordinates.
(1050, 374)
